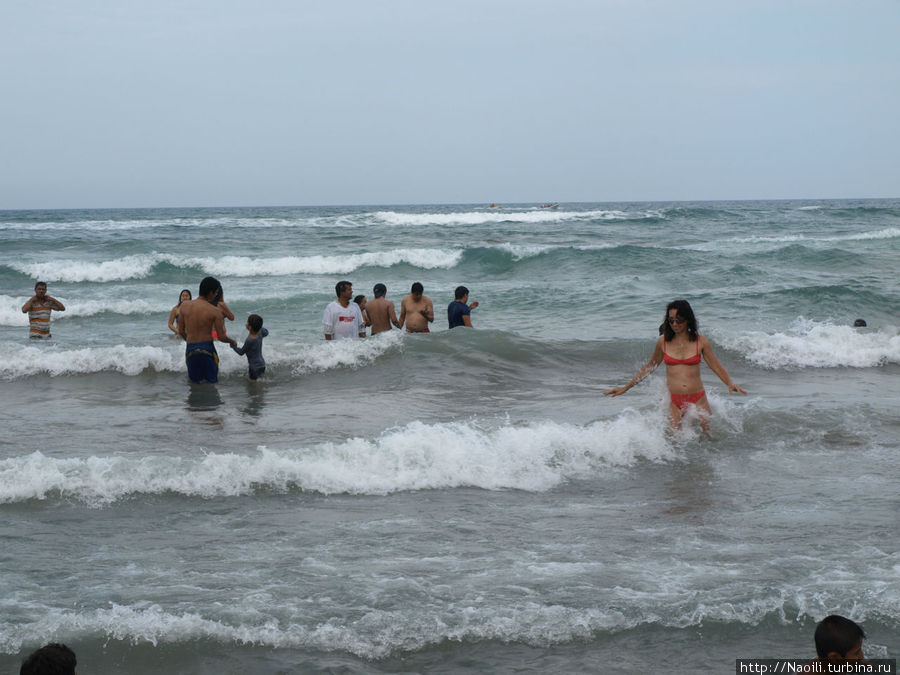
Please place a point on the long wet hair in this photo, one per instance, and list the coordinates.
(684, 310)
(183, 291)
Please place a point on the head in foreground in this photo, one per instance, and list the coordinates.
(52, 659)
(839, 639)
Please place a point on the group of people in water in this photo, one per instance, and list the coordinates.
(838, 640)
(200, 322)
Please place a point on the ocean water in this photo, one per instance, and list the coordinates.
(464, 501)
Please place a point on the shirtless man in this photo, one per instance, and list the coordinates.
(200, 320)
(38, 309)
(416, 310)
(381, 311)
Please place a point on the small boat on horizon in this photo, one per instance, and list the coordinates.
(552, 205)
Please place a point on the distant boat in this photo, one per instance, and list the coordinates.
(554, 205)
(494, 206)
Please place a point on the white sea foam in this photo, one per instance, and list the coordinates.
(19, 360)
(533, 457)
(423, 258)
(120, 269)
(499, 216)
(22, 361)
(780, 240)
(377, 633)
(141, 266)
(809, 344)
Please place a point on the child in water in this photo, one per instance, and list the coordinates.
(253, 346)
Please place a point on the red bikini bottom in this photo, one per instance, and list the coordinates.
(682, 401)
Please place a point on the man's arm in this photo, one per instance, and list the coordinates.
(428, 312)
(57, 305)
(328, 323)
(467, 320)
(393, 315)
(182, 322)
(27, 306)
(402, 313)
(219, 327)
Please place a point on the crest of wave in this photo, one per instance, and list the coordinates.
(533, 457)
(483, 217)
(809, 344)
(424, 258)
(129, 267)
(18, 361)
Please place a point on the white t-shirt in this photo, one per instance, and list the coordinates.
(343, 322)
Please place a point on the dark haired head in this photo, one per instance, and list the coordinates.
(683, 309)
(40, 283)
(417, 288)
(838, 634)
(341, 286)
(379, 290)
(52, 659)
(183, 291)
(209, 285)
(460, 292)
(359, 298)
(255, 322)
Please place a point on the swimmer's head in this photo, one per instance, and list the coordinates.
(342, 286)
(360, 300)
(417, 289)
(379, 290)
(860, 323)
(254, 322)
(683, 311)
(460, 292)
(184, 296)
(208, 286)
(839, 639)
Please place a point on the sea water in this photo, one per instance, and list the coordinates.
(461, 501)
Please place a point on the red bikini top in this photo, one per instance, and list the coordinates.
(690, 361)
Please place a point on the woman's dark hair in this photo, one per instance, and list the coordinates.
(359, 298)
(183, 291)
(684, 310)
(836, 633)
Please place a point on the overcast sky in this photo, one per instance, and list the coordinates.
(290, 102)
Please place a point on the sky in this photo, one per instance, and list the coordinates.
(172, 103)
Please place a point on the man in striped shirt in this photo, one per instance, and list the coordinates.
(38, 309)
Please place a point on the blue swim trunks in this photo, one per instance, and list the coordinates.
(202, 361)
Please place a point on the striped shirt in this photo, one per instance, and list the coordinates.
(39, 318)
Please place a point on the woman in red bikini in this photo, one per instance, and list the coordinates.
(681, 348)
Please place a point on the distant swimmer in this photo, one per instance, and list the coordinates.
(860, 323)
(343, 318)
(459, 310)
(200, 319)
(681, 348)
(38, 308)
(362, 302)
(381, 311)
(416, 310)
(184, 296)
(252, 346)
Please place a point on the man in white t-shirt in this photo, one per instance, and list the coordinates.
(343, 318)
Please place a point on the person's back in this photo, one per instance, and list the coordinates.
(52, 659)
(381, 311)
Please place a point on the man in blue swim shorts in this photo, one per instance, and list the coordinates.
(198, 319)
